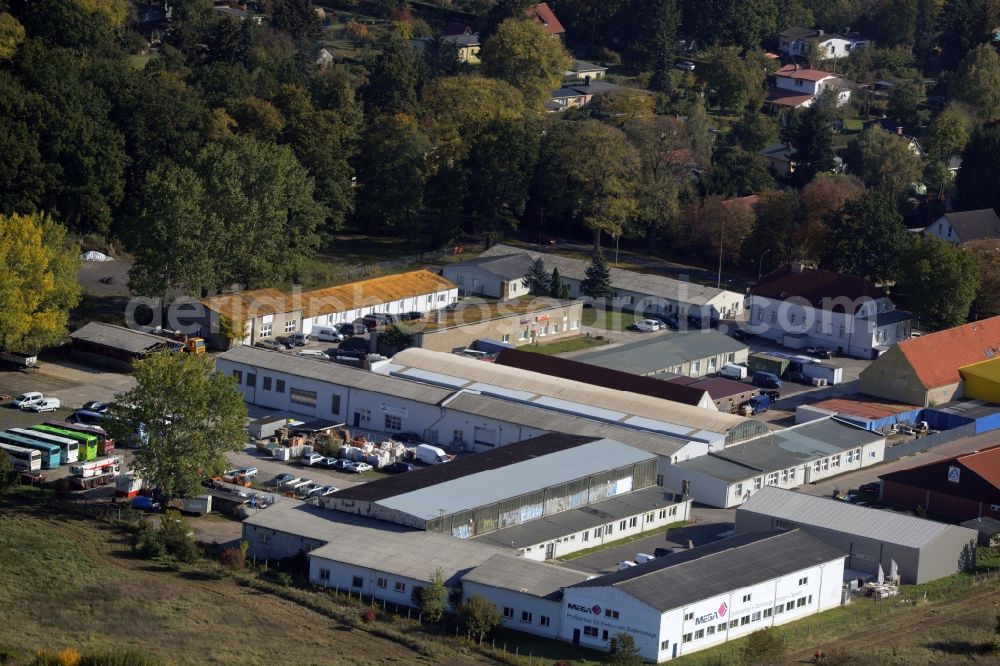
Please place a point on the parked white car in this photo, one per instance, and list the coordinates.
(358, 467)
(647, 325)
(43, 405)
(29, 398)
(311, 459)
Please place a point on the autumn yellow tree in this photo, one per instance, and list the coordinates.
(11, 35)
(114, 10)
(38, 284)
(525, 56)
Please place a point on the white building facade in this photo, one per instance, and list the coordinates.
(594, 612)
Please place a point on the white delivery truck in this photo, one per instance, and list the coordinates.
(733, 371)
(430, 455)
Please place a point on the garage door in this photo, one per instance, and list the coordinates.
(486, 436)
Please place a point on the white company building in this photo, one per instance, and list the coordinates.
(698, 598)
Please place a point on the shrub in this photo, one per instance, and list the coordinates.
(178, 537)
(283, 579)
(67, 657)
(235, 558)
(119, 658)
(150, 543)
(368, 615)
(763, 647)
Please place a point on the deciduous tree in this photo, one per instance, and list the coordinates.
(737, 173)
(478, 616)
(433, 598)
(986, 253)
(738, 79)
(884, 160)
(866, 238)
(191, 416)
(977, 82)
(823, 197)
(622, 650)
(810, 131)
(11, 35)
(977, 184)
(39, 284)
(392, 174)
(522, 53)
(939, 282)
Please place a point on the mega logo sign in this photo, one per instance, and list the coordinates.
(714, 615)
(595, 609)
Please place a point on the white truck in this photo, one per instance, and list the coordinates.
(430, 455)
(100, 472)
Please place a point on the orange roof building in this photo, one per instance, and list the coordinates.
(414, 291)
(925, 371)
(548, 19)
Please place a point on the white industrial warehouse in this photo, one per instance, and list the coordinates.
(708, 595)
(785, 458)
(546, 496)
(923, 550)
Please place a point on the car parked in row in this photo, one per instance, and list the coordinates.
(315, 353)
(43, 405)
(310, 459)
(25, 399)
(273, 345)
(399, 467)
(359, 467)
(819, 352)
(336, 464)
(96, 406)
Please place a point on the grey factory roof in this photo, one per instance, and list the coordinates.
(838, 516)
(719, 468)
(507, 266)
(641, 283)
(564, 523)
(530, 416)
(413, 554)
(740, 561)
(119, 337)
(493, 485)
(435, 475)
(312, 522)
(662, 352)
(781, 449)
(311, 368)
(376, 544)
(539, 579)
(565, 395)
(892, 317)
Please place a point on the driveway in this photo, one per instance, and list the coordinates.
(73, 384)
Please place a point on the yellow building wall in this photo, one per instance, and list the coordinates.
(982, 380)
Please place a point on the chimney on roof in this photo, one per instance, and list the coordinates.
(798, 267)
(796, 67)
(899, 130)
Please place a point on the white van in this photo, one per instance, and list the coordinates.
(733, 371)
(430, 455)
(326, 334)
(642, 558)
(43, 405)
(25, 399)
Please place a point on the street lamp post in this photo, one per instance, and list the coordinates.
(760, 264)
(722, 237)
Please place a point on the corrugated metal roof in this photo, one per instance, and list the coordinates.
(641, 283)
(560, 524)
(534, 417)
(719, 468)
(303, 366)
(493, 485)
(839, 516)
(412, 554)
(782, 449)
(607, 377)
(662, 352)
(119, 337)
(249, 304)
(376, 291)
(978, 477)
(585, 398)
(426, 477)
(519, 574)
(716, 568)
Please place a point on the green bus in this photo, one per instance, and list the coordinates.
(51, 453)
(88, 443)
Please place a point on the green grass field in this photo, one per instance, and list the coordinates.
(608, 320)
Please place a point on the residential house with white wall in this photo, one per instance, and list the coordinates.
(798, 306)
(796, 86)
(799, 41)
(964, 226)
